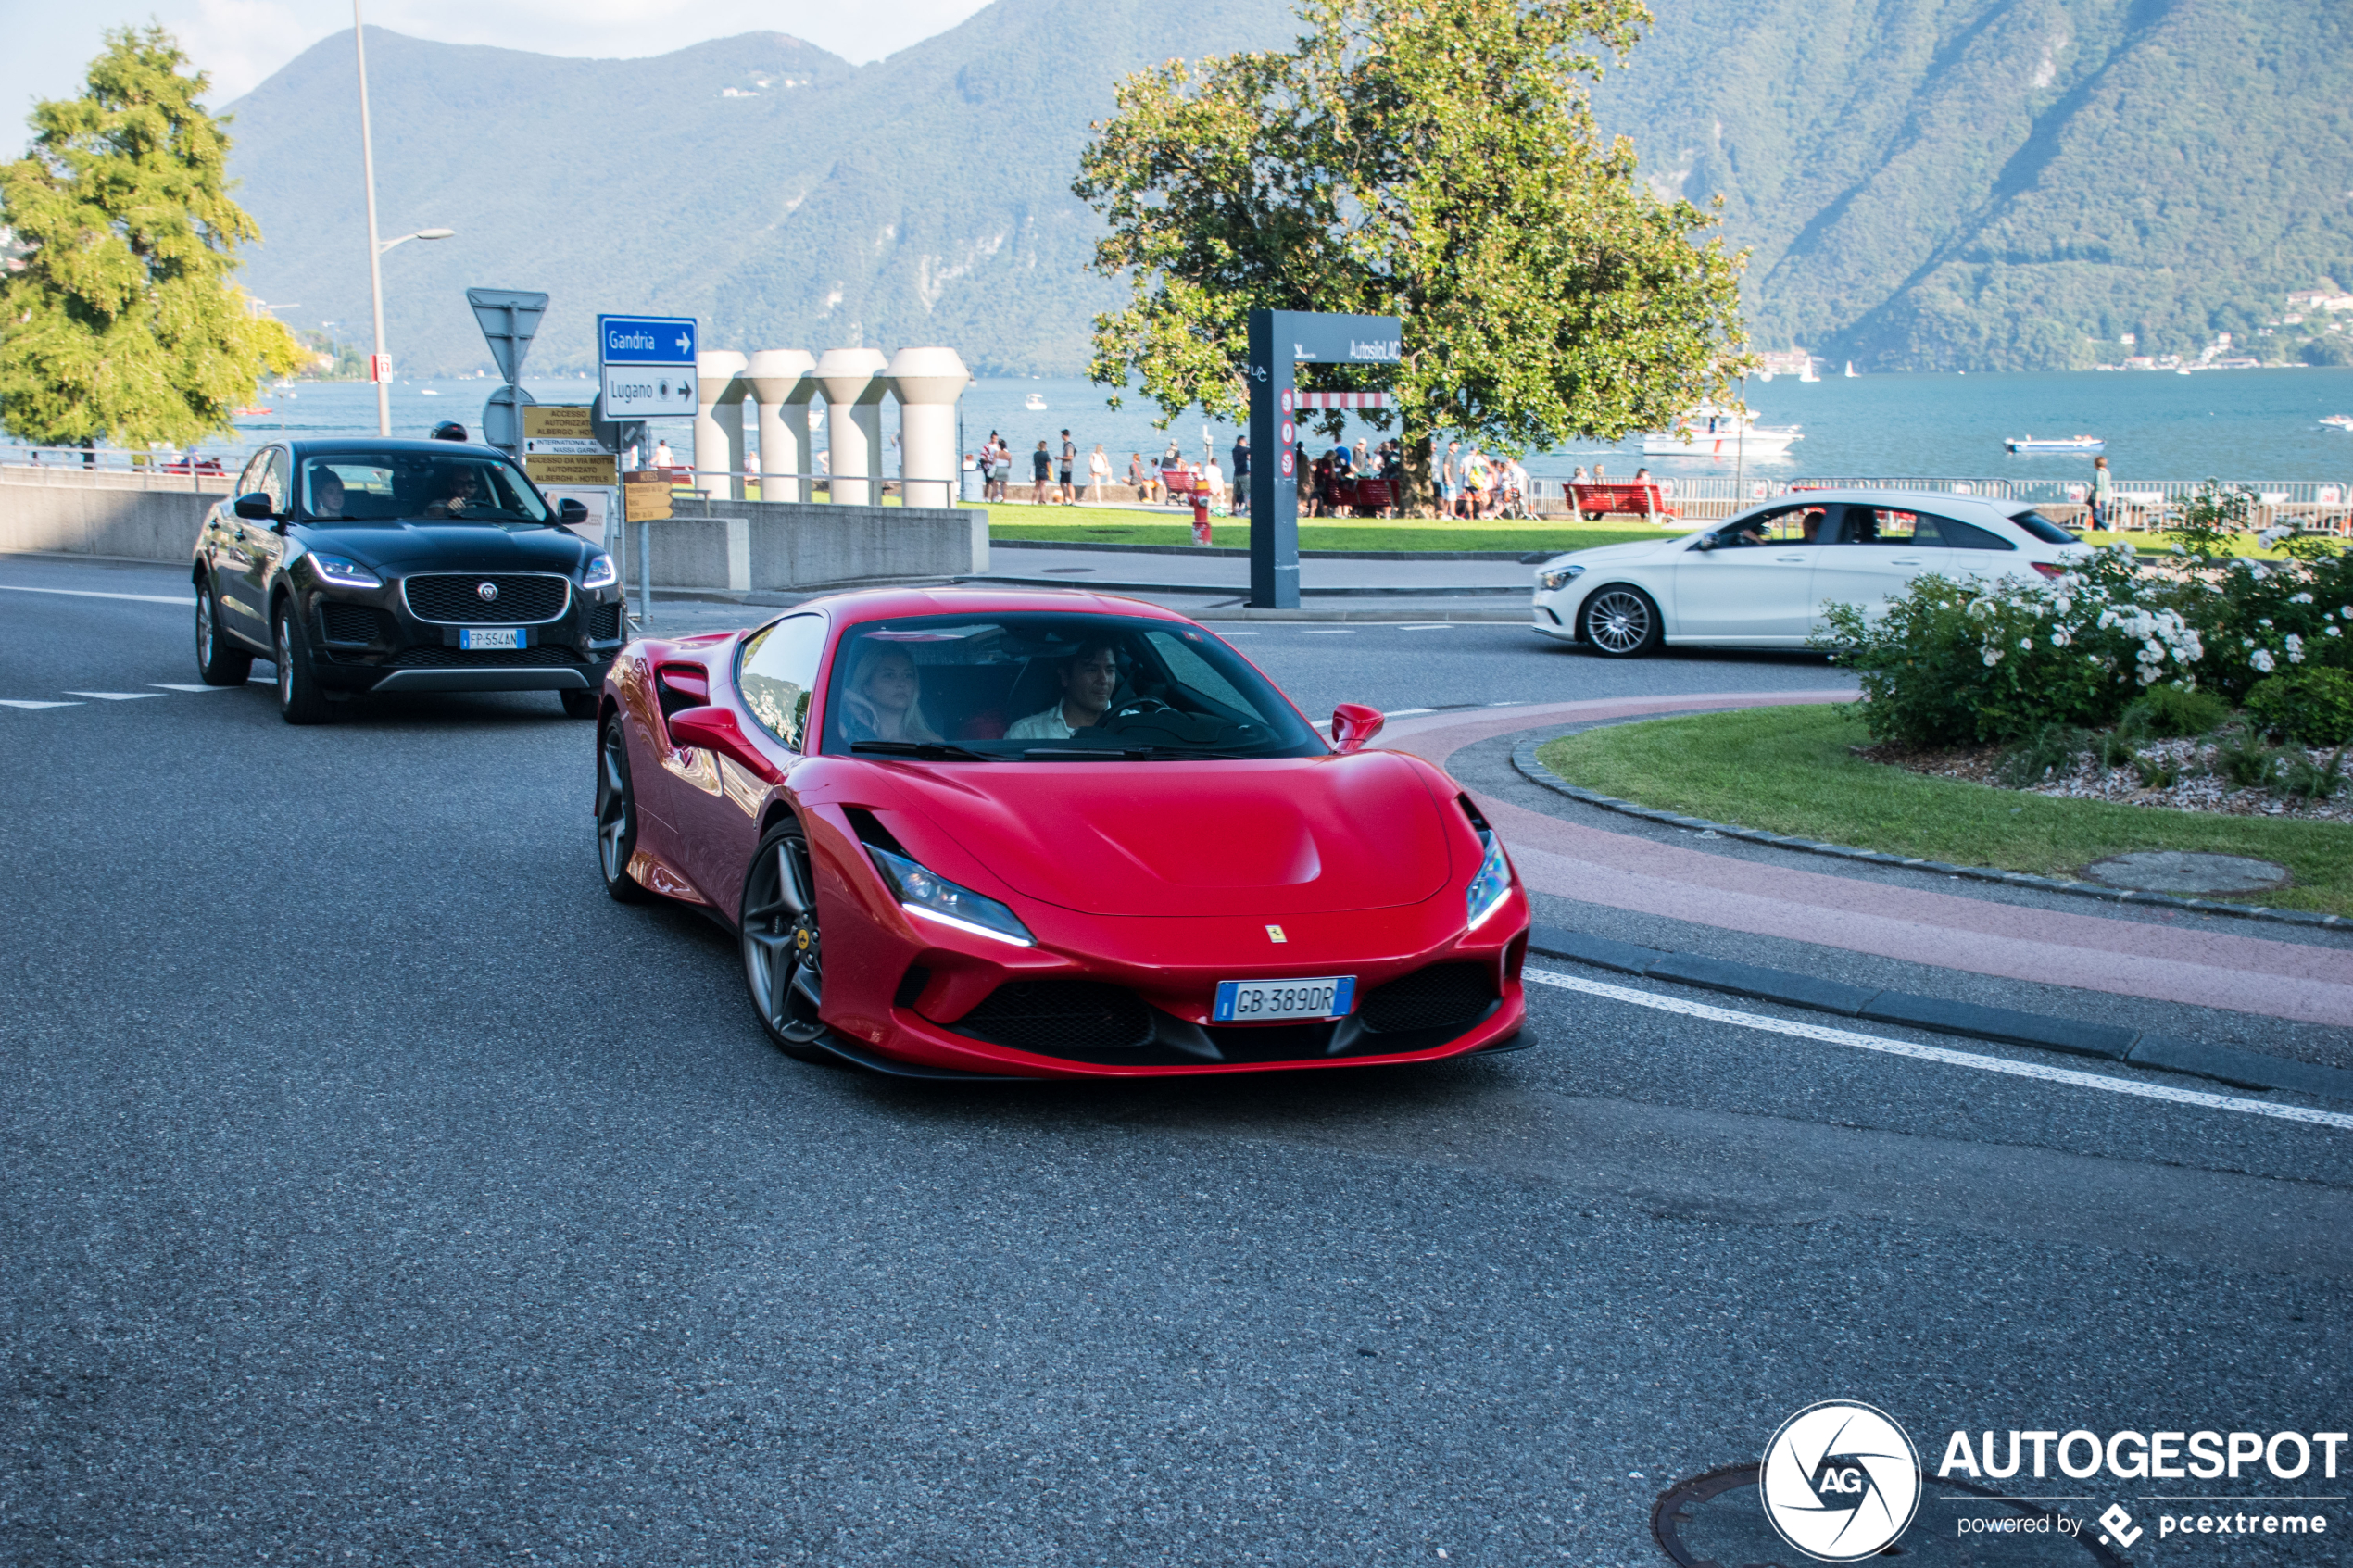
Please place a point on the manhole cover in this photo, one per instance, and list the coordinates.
(2177, 871)
(1718, 1521)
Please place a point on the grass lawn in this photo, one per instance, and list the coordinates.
(1011, 521)
(1787, 770)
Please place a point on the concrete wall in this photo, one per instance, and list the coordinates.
(781, 545)
(76, 511)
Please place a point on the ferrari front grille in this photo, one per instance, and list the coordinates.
(516, 599)
(1055, 1017)
(1443, 996)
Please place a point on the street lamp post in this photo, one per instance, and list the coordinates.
(379, 367)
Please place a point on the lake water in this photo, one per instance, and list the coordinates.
(2236, 424)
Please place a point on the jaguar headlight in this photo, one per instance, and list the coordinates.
(1553, 577)
(599, 572)
(935, 898)
(1493, 882)
(343, 572)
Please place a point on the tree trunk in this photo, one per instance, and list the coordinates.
(1419, 500)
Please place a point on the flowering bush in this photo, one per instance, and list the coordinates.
(1955, 663)
(1951, 663)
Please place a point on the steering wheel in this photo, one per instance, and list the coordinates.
(1136, 707)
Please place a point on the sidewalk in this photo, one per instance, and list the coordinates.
(1221, 573)
(2210, 968)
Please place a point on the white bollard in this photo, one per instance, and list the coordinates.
(719, 424)
(780, 380)
(928, 382)
(854, 387)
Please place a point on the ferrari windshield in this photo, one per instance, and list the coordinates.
(385, 486)
(1052, 688)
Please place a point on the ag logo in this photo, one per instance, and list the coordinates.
(1841, 1481)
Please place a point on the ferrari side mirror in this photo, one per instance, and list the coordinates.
(715, 729)
(1353, 724)
(255, 505)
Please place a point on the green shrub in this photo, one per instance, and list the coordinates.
(2311, 706)
(2311, 782)
(2173, 711)
(2245, 761)
(2051, 749)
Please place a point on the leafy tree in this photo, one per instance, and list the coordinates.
(1436, 160)
(124, 321)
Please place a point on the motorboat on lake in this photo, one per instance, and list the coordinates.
(1710, 431)
(2342, 422)
(1035, 402)
(2055, 446)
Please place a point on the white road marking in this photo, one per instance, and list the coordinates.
(115, 696)
(175, 686)
(6, 702)
(1939, 1053)
(1406, 712)
(1328, 631)
(1433, 626)
(94, 594)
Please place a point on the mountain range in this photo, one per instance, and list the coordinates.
(1976, 184)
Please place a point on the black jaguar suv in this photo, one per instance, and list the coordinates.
(401, 566)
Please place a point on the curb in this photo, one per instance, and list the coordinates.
(2223, 1064)
(1228, 550)
(1523, 759)
(1117, 585)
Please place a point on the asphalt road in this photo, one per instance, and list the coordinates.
(376, 1190)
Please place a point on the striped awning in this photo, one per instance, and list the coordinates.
(1343, 400)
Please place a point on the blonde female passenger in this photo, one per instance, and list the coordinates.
(886, 699)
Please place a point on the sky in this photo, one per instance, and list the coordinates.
(239, 42)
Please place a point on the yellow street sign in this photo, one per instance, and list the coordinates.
(570, 468)
(644, 495)
(558, 422)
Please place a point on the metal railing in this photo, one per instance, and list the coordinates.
(160, 470)
(2319, 506)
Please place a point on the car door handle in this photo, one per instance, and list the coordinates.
(1789, 557)
(1907, 560)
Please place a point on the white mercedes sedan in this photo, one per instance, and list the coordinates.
(1763, 578)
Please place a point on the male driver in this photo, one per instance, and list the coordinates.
(1089, 677)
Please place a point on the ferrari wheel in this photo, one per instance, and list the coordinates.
(616, 816)
(218, 664)
(784, 957)
(1622, 622)
(299, 699)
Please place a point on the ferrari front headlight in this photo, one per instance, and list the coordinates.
(933, 897)
(1491, 884)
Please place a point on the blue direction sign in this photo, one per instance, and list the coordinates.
(649, 365)
(646, 340)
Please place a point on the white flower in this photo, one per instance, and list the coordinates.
(2333, 631)
(2271, 537)
(2294, 648)
(1993, 657)
(2265, 621)
(2346, 610)
(2261, 659)
(2059, 638)
(2026, 645)
(2300, 599)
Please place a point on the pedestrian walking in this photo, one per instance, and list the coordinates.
(1448, 479)
(1241, 476)
(2103, 494)
(662, 457)
(1097, 472)
(1214, 478)
(1041, 468)
(1068, 492)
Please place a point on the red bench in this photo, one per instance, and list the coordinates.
(1601, 500)
(1362, 498)
(1177, 482)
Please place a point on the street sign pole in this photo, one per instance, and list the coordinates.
(510, 319)
(1280, 341)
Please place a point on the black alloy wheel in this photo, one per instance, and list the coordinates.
(617, 816)
(299, 699)
(581, 705)
(1622, 622)
(784, 958)
(218, 664)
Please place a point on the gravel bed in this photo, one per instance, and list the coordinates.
(2197, 788)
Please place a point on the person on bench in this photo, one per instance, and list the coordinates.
(1089, 677)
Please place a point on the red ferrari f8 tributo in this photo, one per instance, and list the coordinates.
(1052, 834)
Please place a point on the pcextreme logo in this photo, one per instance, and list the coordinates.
(1841, 1481)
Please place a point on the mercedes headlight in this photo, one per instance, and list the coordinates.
(1553, 577)
(599, 572)
(936, 898)
(1493, 882)
(343, 571)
